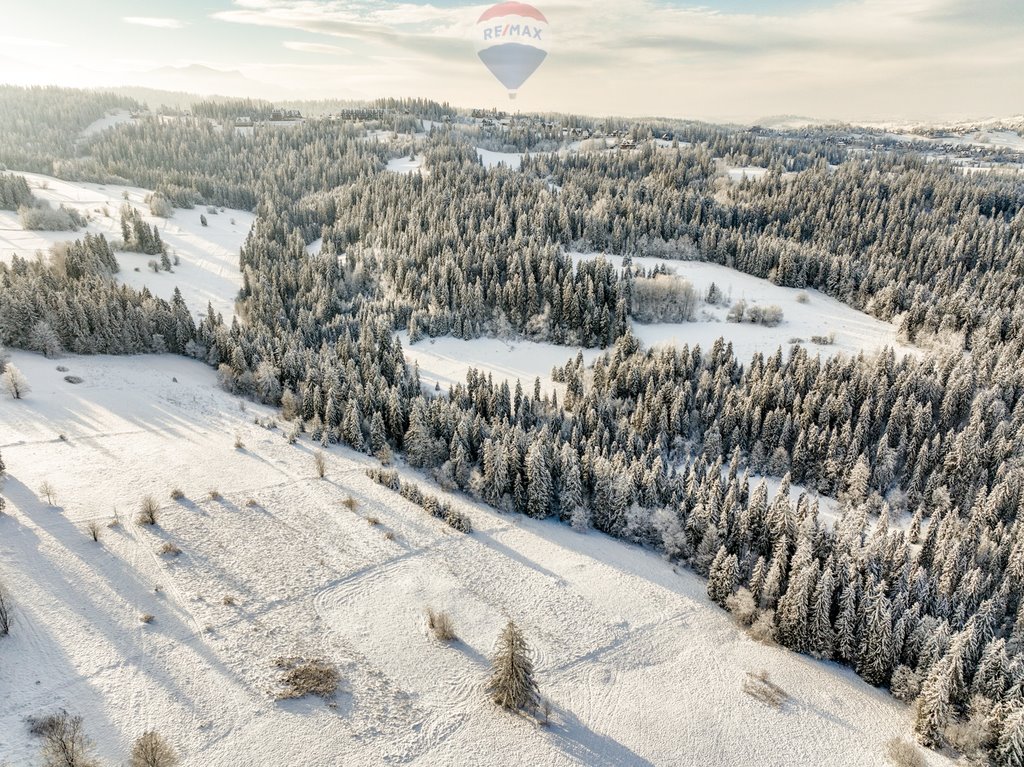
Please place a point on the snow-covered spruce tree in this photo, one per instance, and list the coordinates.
(722, 577)
(538, 477)
(933, 709)
(876, 653)
(512, 685)
(1010, 750)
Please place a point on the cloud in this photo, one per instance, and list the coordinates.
(160, 22)
(844, 58)
(333, 50)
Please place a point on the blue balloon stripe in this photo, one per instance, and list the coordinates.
(512, 63)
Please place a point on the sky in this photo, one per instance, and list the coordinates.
(728, 60)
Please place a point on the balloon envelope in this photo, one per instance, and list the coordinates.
(511, 40)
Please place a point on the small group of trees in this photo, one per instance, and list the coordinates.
(741, 311)
(664, 298)
(65, 743)
(138, 236)
(42, 216)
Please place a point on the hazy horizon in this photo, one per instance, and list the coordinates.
(723, 60)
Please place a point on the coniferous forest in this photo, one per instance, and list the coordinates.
(917, 584)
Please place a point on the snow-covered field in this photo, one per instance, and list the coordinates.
(493, 159)
(819, 315)
(405, 165)
(208, 268)
(753, 172)
(446, 360)
(116, 117)
(640, 668)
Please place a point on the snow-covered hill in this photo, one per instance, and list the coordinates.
(640, 667)
(208, 255)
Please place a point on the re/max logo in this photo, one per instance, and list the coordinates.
(512, 30)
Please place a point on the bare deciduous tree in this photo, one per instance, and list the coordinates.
(151, 750)
(65, 743)
(5, 612)
(320, 464)
(14, 382)
(46, 491)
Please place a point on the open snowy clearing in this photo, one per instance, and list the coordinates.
(640, 667)
(404, 165)
(512, 160)
(819, 315)
(208, 269)
(117, 117)
(446, 360)
(753, 172)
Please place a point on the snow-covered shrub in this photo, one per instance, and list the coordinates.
(763, 629)
(159, 206)
(902, 753)
(742, 606)
(44, 339)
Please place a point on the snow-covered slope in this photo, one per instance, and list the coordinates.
(405, 165)
(446, 360)
(116, 117)
(208, 269)
(806, 313)
(641, 669)
(493, 159)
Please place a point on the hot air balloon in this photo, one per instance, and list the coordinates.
(511, 41)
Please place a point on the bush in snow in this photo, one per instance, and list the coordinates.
(148, 510)
(159, 206)
(440, 624)
(319, 465)
(151, 750)
(742, 606)
(904, 754)
(303, 677)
